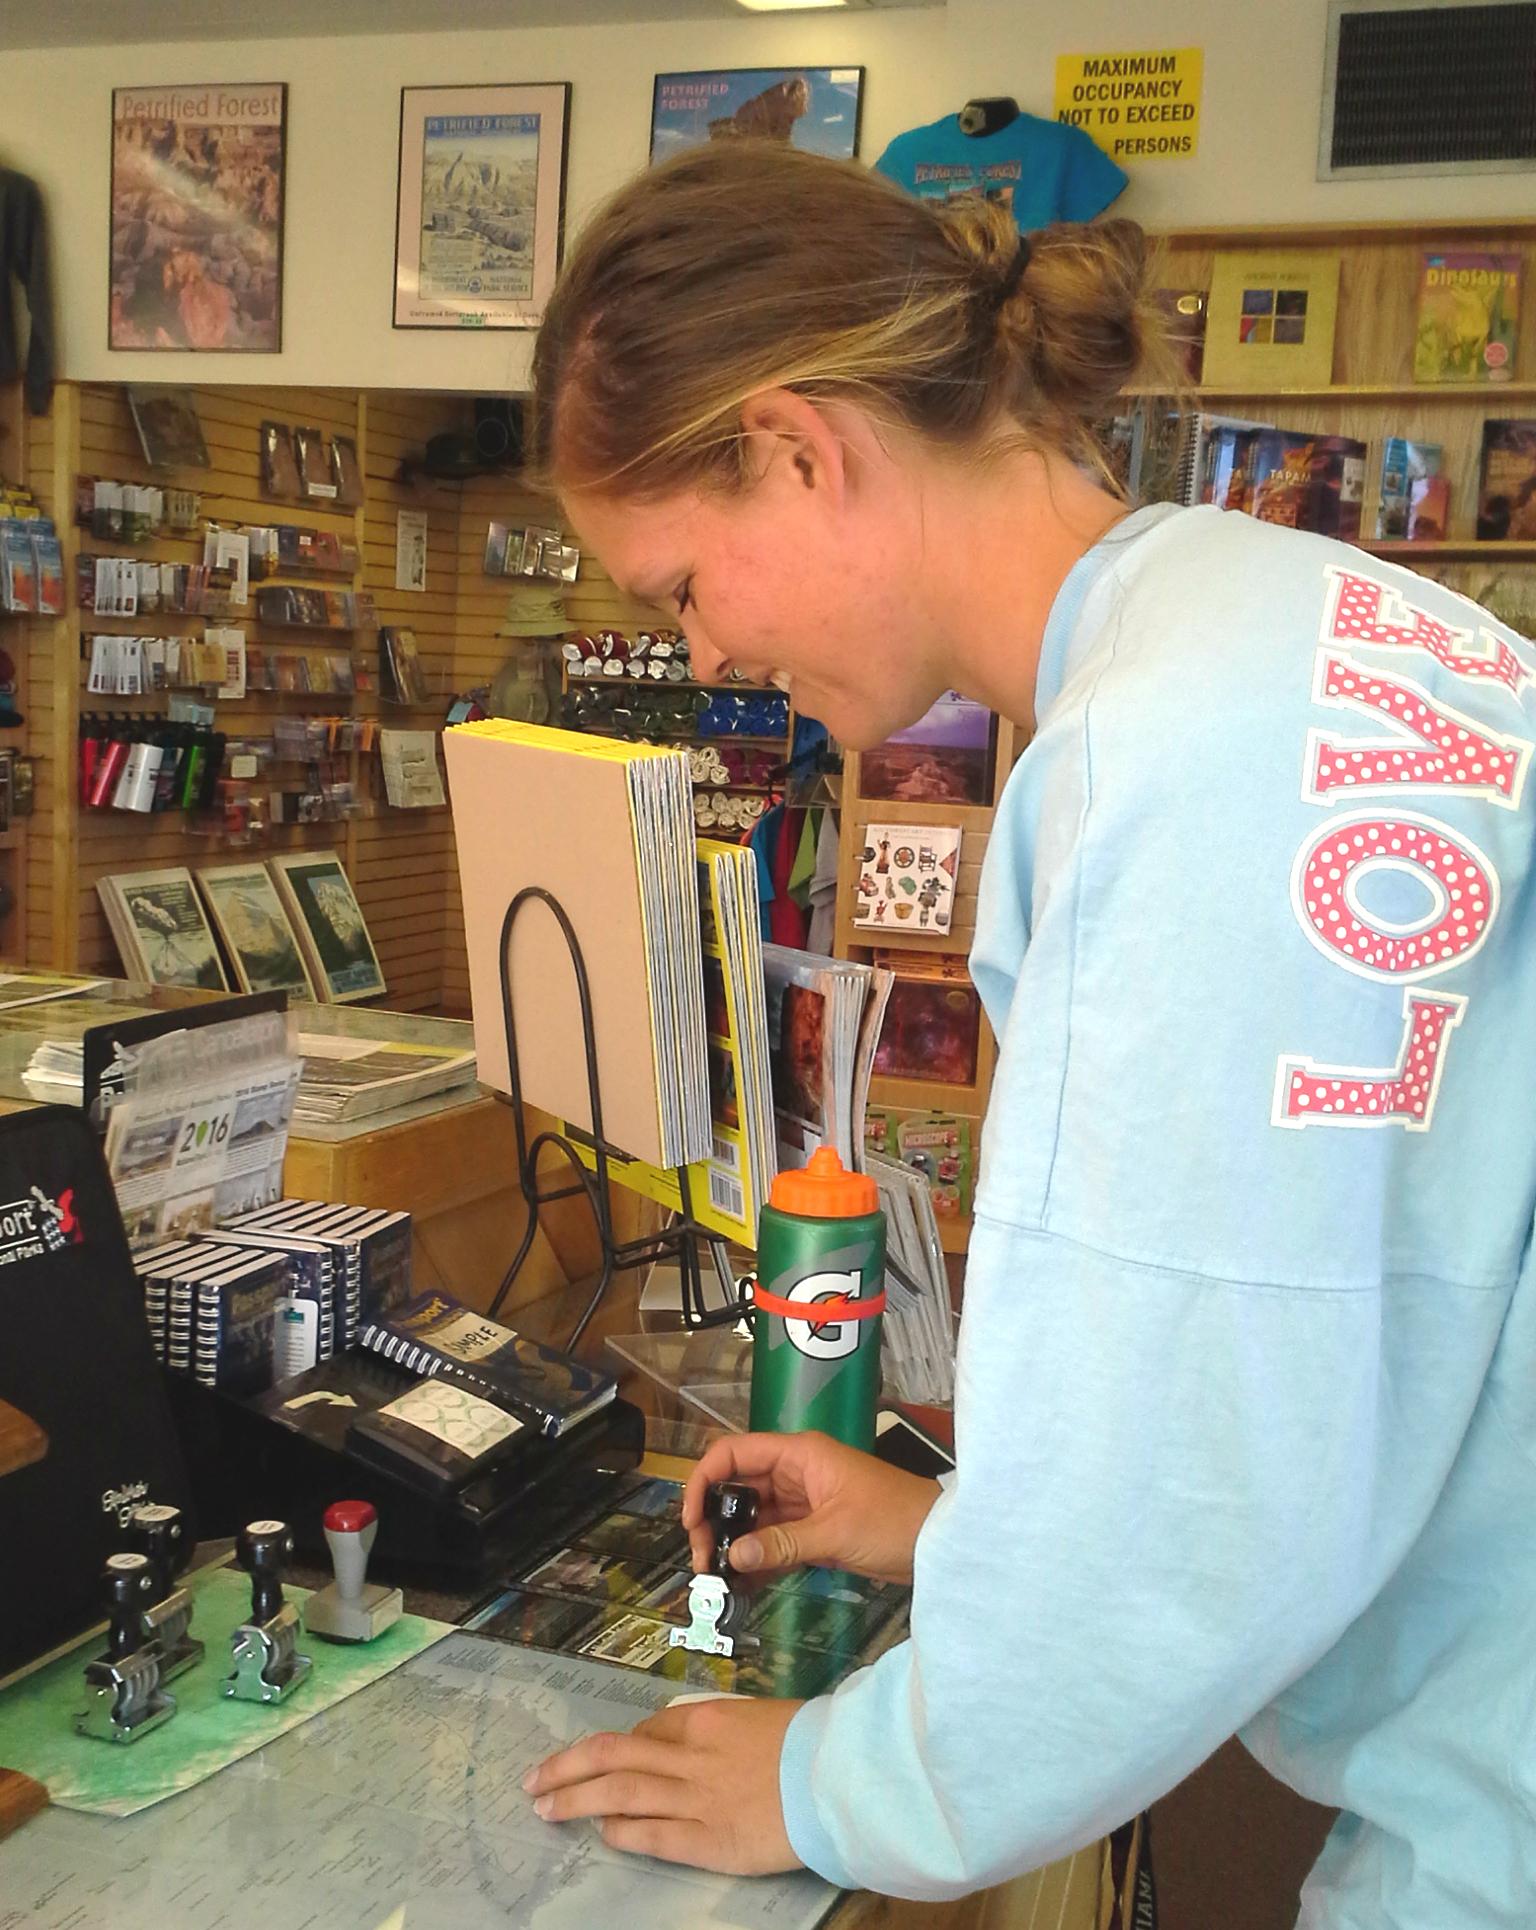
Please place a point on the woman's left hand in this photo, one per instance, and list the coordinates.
(694, 1784)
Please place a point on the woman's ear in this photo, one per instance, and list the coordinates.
(781, 427)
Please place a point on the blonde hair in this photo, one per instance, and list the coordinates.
(748, 265)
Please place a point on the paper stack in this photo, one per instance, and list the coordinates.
(918, 1327)
(606, 829)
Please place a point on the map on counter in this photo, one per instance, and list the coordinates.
(400, 1806)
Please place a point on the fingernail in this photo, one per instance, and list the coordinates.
(746, 1553)
(543, 1806)
(531, 1781)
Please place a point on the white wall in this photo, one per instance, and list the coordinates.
(1256, 161)
(343, 137)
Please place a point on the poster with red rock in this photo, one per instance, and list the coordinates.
(197, 217)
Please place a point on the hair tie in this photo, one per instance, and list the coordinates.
(1008, 286)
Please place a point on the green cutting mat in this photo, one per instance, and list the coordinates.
(208, 1731)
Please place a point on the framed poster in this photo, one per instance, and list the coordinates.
(325, 914)
(480, 206)
(197, 217)
(815, 108)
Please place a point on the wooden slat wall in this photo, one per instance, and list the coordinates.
(400, 861)
(231, 492)
(592, 602)
(404, 866)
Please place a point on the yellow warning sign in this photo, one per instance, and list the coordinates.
(1138, 107)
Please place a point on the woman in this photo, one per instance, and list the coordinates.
(1247, 1395)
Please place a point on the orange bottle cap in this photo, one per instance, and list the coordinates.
(824, 1189)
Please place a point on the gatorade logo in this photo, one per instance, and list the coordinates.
(824, 1343)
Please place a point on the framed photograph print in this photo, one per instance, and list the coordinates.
(197, 217)
(815, 108)
(481, 204)
(323, 910)
(245, 910)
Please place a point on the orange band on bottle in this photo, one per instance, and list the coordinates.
(819, 1313)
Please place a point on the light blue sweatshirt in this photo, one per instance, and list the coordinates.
(1247, 1396)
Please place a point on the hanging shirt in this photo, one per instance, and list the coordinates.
(787, 922)
(1041, 170)
(1246, 1410)
(761, 840)
(823, 928)
(24, 257)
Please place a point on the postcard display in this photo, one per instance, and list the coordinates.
(248, 724)
(917, 813)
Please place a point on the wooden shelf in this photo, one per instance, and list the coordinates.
(1485, 392)
(955, 1235)
(1466, 549)
(1293, 234)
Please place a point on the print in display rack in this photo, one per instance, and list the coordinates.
(677, 1244)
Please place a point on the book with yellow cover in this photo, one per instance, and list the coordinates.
(726, 1189)
(1469, 311)
(1271, 320)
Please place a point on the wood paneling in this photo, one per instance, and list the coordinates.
(592, 602)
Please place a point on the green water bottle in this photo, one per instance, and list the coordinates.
(820, 1293)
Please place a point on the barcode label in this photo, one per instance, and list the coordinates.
(724, 1154)
(725, 1195)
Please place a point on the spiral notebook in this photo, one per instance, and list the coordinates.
(607, 830)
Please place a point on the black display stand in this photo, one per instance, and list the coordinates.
(679, 1242)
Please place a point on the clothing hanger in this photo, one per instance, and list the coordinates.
(988, 115)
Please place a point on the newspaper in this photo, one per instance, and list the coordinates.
(353, 1078)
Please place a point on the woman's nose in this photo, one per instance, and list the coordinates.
(709, 664)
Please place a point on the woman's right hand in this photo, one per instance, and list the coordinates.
(821, 1504)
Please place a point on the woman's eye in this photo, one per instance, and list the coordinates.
(682, 596)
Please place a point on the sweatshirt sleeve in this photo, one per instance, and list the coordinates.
(1160, 1519)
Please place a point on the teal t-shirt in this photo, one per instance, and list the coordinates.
(1040, 170)
(1246, 1393)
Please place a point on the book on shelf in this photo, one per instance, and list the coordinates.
(1306, 482)
(1270, 320)
(908, 875)
(333, 935)
(162, 932)
(1413, 494)
(726, 1190)
(169, 432)
(1468, 317)
(259, 941)
(946, 757)
(400, 664)
(824, 1017)
(1184, 318)
(1284, 476)
(932, 1028)
(1506, 494)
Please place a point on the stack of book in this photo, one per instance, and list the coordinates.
(603, 832)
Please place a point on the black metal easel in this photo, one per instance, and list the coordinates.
(679, 1242)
